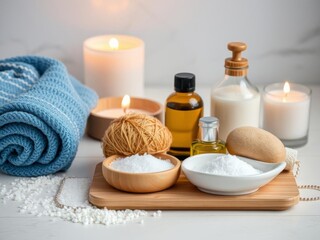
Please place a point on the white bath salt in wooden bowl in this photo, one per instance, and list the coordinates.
(141, 164)
(141, 174)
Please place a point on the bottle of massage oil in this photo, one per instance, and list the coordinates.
(183, 110)
(208, 141)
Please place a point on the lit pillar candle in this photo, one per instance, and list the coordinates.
(286, 110)
(114, 65)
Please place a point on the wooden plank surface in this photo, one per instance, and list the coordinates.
(280, 194)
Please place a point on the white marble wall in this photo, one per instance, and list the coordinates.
(283, 37)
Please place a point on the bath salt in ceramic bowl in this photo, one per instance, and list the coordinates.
(229, 175)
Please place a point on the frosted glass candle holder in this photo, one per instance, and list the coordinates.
(286, 110)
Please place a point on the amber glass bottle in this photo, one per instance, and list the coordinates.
(184, 108)
(208, 141)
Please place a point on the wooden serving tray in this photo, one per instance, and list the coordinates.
(280, 194)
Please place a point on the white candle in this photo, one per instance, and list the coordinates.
(235, 106)
(114, 65)
(118, 112)
(286, 111)
(111, 108)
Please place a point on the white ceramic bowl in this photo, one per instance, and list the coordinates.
(229, 185)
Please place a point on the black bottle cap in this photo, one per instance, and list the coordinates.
(184, 82)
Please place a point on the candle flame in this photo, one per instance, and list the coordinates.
(114, 43)
(286, 88)
(125, 104)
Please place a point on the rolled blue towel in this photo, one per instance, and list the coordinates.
(43, 113)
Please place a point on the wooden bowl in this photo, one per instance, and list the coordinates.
(97, 124)
(142, 182)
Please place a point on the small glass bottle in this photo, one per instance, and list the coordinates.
(183, 110)
(235, 101)
(208, 141)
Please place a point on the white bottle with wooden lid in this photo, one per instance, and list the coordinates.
(235, 100)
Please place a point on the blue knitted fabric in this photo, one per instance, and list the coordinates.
(43, 113)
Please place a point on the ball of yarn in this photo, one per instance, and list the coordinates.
(136, 134)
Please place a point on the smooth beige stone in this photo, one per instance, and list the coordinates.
(257, 144)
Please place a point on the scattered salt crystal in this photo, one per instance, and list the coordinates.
(37, 198)
(157, 214)
(228, 165)
(141, 164)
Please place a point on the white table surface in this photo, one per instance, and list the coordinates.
(299, 222)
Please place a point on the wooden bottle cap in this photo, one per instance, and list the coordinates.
(236, 65)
